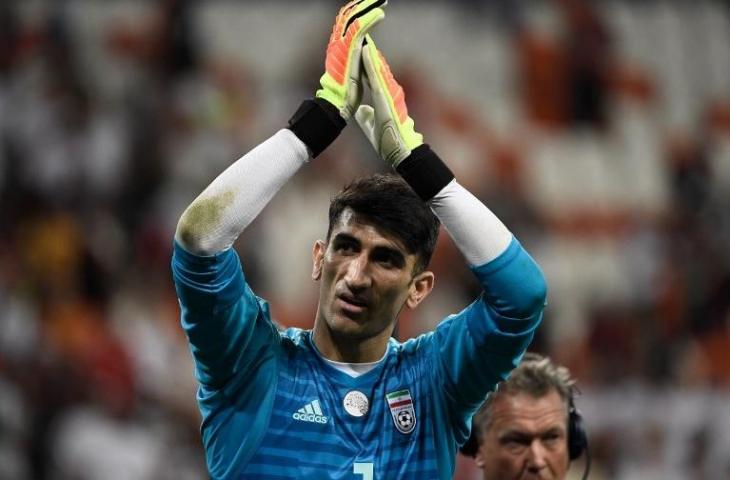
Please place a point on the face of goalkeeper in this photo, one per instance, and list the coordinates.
(370, 267)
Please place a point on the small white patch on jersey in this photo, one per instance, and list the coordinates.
(356, 403)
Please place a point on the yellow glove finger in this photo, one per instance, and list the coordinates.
(364, 11)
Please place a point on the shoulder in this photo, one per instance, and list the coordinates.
(411, 347)
(423, 342)
(293, 339)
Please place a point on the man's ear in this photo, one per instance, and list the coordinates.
(420, 288)
(479, 458)
(317, 257)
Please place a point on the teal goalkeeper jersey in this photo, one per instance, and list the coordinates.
(273, 409)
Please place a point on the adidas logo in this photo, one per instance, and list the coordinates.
(311, 412)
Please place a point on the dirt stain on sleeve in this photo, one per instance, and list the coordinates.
(203, 215)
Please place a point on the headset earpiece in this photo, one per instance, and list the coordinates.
(471, 446)
(577, 437)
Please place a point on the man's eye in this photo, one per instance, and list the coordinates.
(388, 259)
(516, 441)
(514, 446)
(385, 260)
(344, 247)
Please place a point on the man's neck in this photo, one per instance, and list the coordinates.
(348, 350)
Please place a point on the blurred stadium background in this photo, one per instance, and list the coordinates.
(599, 132)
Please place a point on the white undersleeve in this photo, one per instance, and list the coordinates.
(476, 231)
(230, 203)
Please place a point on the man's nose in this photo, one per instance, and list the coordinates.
(357, 276)
(537, 457)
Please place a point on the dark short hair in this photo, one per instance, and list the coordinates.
(386, 201)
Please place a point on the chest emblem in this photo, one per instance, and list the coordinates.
(402, 411)
(356, 403)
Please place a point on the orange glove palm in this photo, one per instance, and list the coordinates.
(341, 82)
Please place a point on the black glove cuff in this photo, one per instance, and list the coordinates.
(317, 123)
(425, 172)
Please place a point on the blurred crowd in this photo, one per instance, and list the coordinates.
(598, 131)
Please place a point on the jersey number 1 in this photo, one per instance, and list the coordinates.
(364, 469)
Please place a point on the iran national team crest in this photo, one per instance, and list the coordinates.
(401, 408)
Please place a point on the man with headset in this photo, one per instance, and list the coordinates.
(529, 427)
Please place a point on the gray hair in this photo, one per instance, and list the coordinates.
(536, 376)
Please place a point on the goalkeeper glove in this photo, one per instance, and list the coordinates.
(341, 84)
(319, 121)
(387, 126)
(392, 132)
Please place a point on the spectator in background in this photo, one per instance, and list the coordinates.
(528, 428)
(565, 68)
(587, 45)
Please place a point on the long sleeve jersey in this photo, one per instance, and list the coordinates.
(273, 408)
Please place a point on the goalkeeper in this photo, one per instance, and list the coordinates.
(345, 400)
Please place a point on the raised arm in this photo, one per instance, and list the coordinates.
(228, 327)
(480, 345)
(228, 205)
(477, 232)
